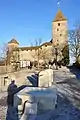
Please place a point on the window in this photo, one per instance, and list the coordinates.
(45, 45)
(60, 34)
(57, 29)
(5, 80)
(58, 24)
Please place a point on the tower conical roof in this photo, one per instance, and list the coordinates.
(59, 16)
(13, 41)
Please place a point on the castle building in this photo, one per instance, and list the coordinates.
(45, 51)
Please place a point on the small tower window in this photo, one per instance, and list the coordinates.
(58, 24)
(57, 29)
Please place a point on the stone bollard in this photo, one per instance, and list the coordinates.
(45, 78)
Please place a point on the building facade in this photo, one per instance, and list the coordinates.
(44, 52)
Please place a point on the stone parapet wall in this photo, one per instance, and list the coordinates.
(20, 78)
(6, 69)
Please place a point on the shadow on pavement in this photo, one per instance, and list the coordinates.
(65, 110)
(75, 71)
(73, 89)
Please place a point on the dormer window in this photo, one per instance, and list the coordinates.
(58, 24)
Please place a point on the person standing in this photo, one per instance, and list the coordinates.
(12, 88)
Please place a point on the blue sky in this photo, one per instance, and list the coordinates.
(27, 20)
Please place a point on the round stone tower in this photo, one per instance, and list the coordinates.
(12, 45)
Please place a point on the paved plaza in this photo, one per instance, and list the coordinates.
(68, 107)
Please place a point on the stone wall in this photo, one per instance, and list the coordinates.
(59, 33)
(5, 69)
(19, 77)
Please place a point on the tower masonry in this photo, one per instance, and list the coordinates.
(59, 30)
(12, 45)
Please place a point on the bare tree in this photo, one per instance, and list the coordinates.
(37, 42)
(3, 52)
(42, 53)
(3, 55)
(15, 58)
(37, 53)
(45, 54)
(74, 42)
